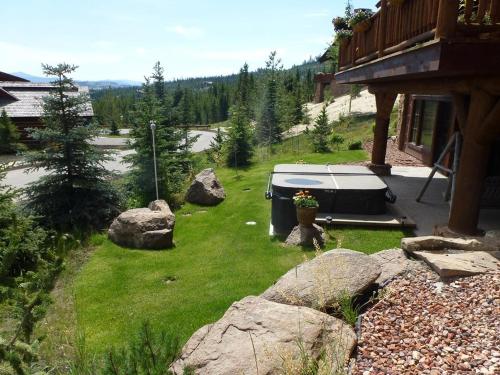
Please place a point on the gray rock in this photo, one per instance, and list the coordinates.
(305, 236)
(319, 283)
(458, 263)
(393, 262)
(144, 228)
(255, 333)
(206, 190)
(412, 244)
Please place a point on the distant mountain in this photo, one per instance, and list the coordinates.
(95, 85)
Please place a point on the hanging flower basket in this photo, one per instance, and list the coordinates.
(362, 26)
(307, 208)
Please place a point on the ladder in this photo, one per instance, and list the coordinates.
(455, 140)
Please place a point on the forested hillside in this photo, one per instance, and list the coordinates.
(207, 100)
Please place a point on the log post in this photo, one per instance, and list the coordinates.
(447, 18)
(382, 28)
(385, 103)
(319, 93)
(464, 215)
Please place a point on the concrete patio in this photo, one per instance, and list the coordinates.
(406, 183)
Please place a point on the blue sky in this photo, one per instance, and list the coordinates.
(122, 39)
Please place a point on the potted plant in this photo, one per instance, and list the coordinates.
(343, 36)
(307, 208)
(340, 23)
(361, 20)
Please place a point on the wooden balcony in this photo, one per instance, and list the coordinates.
(424, 38)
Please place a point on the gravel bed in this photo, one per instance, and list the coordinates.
(424, 326)
(394, 156)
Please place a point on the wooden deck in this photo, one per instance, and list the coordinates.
(424, 38)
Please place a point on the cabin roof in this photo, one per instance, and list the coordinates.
(21, 99)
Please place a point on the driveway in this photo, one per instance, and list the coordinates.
(21, 177)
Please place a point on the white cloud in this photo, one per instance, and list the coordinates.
(187, 32)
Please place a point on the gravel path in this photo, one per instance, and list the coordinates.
(423, 326)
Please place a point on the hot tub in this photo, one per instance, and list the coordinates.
(339, 189)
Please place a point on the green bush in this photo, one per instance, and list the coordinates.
(357, 145)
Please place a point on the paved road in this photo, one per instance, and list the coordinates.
(20, 178)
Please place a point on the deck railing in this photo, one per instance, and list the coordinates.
(398, 27)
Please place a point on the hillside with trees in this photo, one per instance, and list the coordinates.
(207, 100)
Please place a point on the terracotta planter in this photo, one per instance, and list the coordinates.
(306, 216)
(362, 26)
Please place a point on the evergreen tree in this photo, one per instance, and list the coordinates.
(113, 127)
(245, 90)
(321, 132)
(217, 146)
(75, 194)
(268, 128)
(239, 150)
(172, 165)
(9, 136)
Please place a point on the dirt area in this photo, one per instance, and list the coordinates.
(424, 326)
(394, 156)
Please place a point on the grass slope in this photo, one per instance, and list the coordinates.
(218, 259)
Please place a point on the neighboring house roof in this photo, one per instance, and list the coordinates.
(10, 77)
(25, 99)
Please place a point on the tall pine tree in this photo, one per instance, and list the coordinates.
(268, 127)
(76, 193)
(321, 132)
(239, 150)
(173, 165)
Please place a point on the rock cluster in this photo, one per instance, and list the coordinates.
(206, 190)
(424, 326)
(451, 257)
(393, 262)
(256, 336)
(320, 282)
(149, 228)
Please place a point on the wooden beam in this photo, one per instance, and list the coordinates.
(382, 28)
(464, 215)
(447, 18)
(385, 103)
(489, 130)
(460, 103)
(439, 86)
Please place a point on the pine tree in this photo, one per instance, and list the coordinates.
(76, 193)
(321, 132)
(113, 127)
(9, 136)
(245, 90)
(217, 146)
(172, 165)
(269, 129)
(239, 150)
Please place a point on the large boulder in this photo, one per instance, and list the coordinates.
(144, 228)
(256, 336)
(206, 190)
(456, 263)
(393, 262)
(320, 282)
(306, 236)
(412, 244)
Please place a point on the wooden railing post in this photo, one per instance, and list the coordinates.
(447, 18)
(382, 28)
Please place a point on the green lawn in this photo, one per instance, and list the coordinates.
(218, 259)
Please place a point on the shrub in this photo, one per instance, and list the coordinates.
(337, 140)
(357, 145)
(9, 136)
